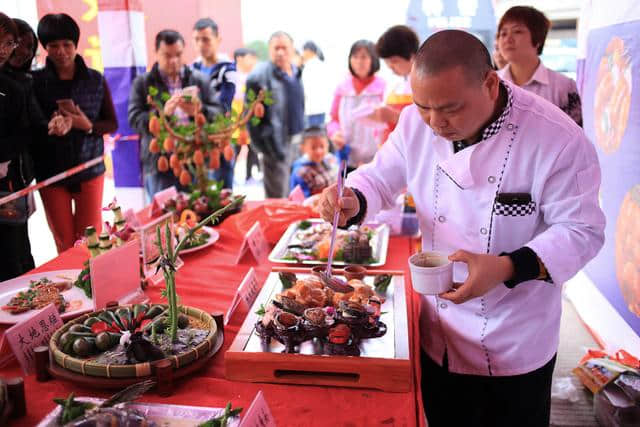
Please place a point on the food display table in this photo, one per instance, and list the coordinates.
(209, 280)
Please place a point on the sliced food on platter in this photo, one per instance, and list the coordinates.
(308, 242)
(21, 297)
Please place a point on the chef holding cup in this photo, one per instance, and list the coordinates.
(506, 184)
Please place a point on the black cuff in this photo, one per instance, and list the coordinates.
(525, 266)
(356, 220)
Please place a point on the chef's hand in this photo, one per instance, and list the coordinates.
(79, 120)
(349, 205)
(485, 273)
(338, 140)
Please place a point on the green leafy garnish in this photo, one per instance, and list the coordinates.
(251, 95)
(221, 420)
(304, 225)
(83, 281)
(261, 311)
(381, 283)
(287, 279)
(71, 408)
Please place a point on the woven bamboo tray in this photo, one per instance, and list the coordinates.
(89, 368)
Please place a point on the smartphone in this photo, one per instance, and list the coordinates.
(66, 104)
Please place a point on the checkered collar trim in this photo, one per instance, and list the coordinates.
(494, 127)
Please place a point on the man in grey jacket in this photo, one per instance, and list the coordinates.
(168, 74)
(278, 135)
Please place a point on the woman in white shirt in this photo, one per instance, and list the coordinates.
(522, 32)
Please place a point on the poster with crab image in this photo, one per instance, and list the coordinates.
(609, 78)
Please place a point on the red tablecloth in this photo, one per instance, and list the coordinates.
(209, 280)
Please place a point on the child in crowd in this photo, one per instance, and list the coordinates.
(317, 168)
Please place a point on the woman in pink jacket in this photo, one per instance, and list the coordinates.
(354, 129)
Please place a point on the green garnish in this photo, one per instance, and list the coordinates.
(381, 283)
(71, 408)
(221, 420)
(304, 225)
(261, 311)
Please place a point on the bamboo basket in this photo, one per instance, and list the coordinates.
(89, 368)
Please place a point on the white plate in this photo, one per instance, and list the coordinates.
(79, 303)
(213, 237)
(162, 414)
(379, 243)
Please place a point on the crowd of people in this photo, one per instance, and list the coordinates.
(501, 178)
(60, 112)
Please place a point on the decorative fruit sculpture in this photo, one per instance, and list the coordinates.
(190, 149)
(628, 249)
(612, 96)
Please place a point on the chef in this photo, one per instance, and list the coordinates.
(507, 184)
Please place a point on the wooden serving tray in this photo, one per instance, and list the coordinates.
(386, 369)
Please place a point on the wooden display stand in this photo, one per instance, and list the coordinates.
(163, 374)
(386, 374)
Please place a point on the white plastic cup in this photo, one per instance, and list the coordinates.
(431, 272)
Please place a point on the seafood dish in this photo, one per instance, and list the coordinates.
(308, 309)
(40, 294)
(199, 238)
(202, 237)
(309, 241)
(202, 203)
(121, 410)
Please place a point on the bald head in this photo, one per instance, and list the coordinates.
(448, 49)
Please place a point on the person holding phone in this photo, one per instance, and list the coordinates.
(67, 88)
(508, 185)
(169, 74)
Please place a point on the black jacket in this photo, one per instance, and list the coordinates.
(55, 154)
(34, 124)
(271, 135)
(12, 127)
(139, 109)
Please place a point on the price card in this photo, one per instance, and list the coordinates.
(161, 197)
(150, 250)
(115, 275)
(256, 242)
(31, 333)
(258, 414)
(246, 294)
(296, 195)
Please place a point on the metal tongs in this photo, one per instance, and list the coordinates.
(334, 283)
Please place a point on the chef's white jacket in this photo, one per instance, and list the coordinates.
(538, 150)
